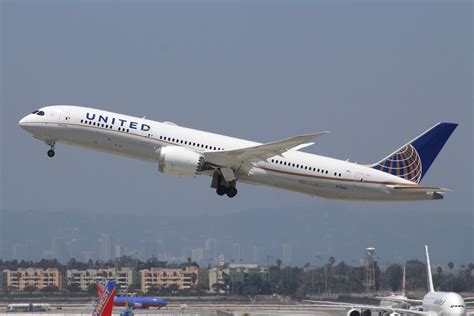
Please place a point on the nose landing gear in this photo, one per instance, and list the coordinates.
(51, 152)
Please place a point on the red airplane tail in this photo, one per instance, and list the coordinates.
(100, 288)
(105, 303)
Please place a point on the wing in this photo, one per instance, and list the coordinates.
(235, 158)
(399, 299)
(369, 307)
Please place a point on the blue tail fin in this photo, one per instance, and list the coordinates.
(412, 161)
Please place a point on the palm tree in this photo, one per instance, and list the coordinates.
(450, 265)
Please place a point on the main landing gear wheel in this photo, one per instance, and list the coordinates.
(231, 192)
(51, 153)
(221, 191)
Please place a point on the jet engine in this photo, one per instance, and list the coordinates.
(353, 312)
(179, 161)
(359, 312)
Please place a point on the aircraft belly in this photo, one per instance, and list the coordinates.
(327, 188)
(113, 142)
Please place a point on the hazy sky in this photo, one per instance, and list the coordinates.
(375, 74)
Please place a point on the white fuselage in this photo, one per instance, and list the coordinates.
(444, 304)
(140, 138)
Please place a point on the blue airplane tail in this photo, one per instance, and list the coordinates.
(105, 303)
(412, 161)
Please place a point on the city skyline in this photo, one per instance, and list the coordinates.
(174, 239)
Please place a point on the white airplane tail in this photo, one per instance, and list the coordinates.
(403, 281)
(428, 266)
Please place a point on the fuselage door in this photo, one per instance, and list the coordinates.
(147, 133)
(359, 179)
(64, 118)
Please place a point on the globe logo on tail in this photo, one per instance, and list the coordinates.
(405, 163)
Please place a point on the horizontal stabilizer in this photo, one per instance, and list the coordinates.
(416, 188)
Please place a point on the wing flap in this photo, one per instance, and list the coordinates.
(257, 153)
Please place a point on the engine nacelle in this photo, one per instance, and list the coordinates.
(359, 312)
(353, 312)
(179, 161)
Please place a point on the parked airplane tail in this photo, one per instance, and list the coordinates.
(105, 303)
(428, 270)
(100, 288)
(412, 161)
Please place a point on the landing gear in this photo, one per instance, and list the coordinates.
(223, 187)
(221, 190)
(51, 149)
(231, 192)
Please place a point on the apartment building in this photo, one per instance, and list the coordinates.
(33, 277)
(164, 277)
(85, 278)
(233, 274)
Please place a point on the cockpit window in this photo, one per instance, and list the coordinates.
(34, 112)
(40, 113)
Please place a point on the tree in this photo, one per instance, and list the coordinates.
(73, 287)
(50, 289)
(450, 265)
(92, 289)
(174, 288)
(393, 276)
(278, 263)
(30, 289)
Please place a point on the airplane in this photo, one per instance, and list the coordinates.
(434, 303)
(396, 299)
(135, 302)
(105, 303)
(187, 153)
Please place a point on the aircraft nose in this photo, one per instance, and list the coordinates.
(23, 122)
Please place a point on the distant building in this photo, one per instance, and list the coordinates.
(85, 278)
(105, 244)
(236, 252)
(234, 274)
(287, 253)
(164, 277)
(118, 251)
(197, 255)
(221, 260)
(36, 277)
(255, 254)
